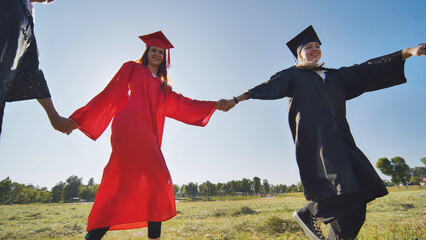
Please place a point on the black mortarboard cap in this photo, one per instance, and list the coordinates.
(306, 36)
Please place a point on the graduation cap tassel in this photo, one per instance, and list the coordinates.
(168, 58)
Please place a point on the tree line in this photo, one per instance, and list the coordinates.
(73, 190)
(400, 172)
(243, 187)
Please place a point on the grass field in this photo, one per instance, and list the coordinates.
(400, 215)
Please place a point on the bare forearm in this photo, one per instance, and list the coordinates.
(406, 53)
(243, 97)
(48, 106)
(55, 119)
(414, 51)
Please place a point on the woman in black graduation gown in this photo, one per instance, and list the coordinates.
(338, 179)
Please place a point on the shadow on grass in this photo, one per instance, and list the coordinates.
(272, 226)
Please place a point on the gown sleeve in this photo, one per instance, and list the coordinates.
(29, 81)
(189, 111)
(95, 117)
(278, 86)
(374, 74)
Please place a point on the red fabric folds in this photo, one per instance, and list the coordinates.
(136, 186)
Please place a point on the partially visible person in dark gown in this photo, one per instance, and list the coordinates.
(20, 76)
(337, 178)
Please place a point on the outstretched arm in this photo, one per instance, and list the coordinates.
(56, 120)
(226, 105)
(414, 51)
(277, 87)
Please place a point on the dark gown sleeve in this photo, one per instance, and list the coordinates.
(29, 81)
(374, 74)
(95, 117)
(278, 86)
(189, 111)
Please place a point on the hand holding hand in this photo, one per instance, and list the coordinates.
(70, 125)
(57, 123)
(225, 105)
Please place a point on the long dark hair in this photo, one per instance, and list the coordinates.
(162, 70)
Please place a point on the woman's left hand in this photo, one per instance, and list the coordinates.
(414, 51)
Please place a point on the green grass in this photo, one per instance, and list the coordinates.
(400, 215)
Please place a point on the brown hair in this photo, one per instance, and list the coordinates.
(162, 69)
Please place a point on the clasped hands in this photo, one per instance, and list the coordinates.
(225, 104)
(64, 125)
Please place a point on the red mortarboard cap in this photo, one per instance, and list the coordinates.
(306, 36)
(158, 39)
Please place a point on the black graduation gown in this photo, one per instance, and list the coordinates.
(20, 76)
(329, 161)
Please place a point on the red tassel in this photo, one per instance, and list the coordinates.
(168, 58)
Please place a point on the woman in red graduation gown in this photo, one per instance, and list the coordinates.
(136, 188)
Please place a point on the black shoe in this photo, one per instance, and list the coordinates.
(96, 234)
(309, 223)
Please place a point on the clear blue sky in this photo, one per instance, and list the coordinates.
(221, 49)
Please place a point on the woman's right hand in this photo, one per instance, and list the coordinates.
(70, 125)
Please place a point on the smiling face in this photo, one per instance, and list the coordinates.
(156, 56)
(311, 52)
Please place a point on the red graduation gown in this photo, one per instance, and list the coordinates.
(136, 186)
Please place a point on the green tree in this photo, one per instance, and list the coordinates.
(283, 188)
(246, 186)
(5, 188)
(416, 180)
(18, 194)
(231, 187)
(85, 192)
(58, 192)
(385, 166)
(43, 196)
(190, 190)
(299, 187)
(176, 189)
(423, 160)
(396, 168)
(211, 189)
(220, 189)
(266, 185)
(203, 189)
(257, 184)
(72, 188)
(418, 172)
(401, 170)
(93, 191)
(292, 188)
(91, 182)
